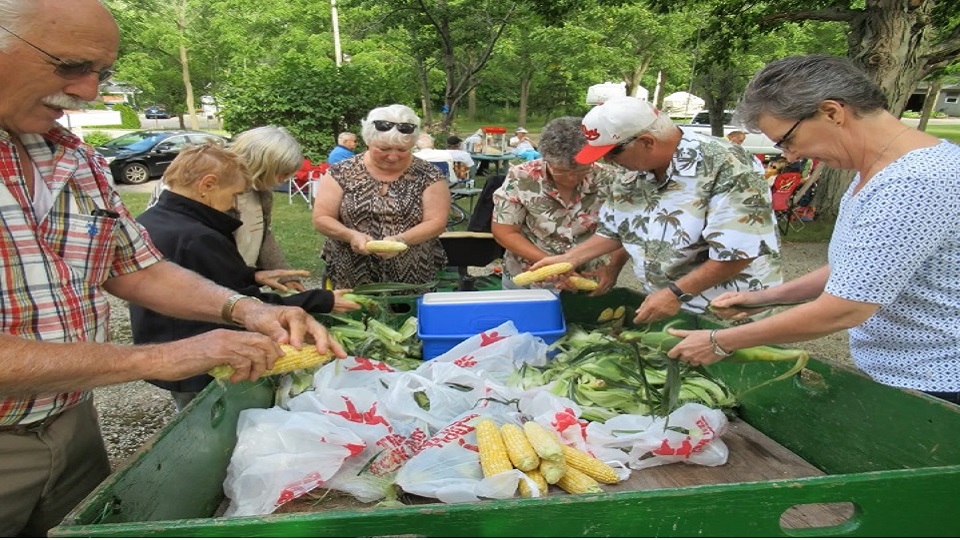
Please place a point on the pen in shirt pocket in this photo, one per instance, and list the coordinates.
(102, 212)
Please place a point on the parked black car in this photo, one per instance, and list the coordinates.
(156, 111)
(141, 155)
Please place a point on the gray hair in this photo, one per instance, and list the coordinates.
(560, 141)
(271, 155)
(424, 141)
(794, 87)
(662, 127)
(342, 138)
(15, 17)
(392, 113)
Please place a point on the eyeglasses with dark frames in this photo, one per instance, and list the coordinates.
(782, 143)
(386, 125)
(69, 70)
(618, 149)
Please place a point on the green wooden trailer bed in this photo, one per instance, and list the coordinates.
(828, 453)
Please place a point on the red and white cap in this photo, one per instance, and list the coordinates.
(613, 122)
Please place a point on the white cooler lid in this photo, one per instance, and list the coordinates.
(487, 297)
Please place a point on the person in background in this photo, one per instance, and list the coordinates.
(894, 256)
(695, 217)
(474, 145)
(384, 193)
(549, 205)
(191, 226)
(523, 146)
(346, 144)
(774, 167)
(462, 162)
(272, 155)
(439, 158)
(67, 241)
(737, 137)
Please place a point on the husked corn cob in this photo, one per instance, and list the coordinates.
(552, 470)
(292, 359)
(575, 482)
(521, 454)
(385, 246)
(605, 315)
(544, 442)
(584, 284)
(493, 453)
(538, 479)
(589, 465)
(540, 274)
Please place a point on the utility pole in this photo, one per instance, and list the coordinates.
(338, 55)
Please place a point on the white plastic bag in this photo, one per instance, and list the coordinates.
(281, 455)
(691, 434)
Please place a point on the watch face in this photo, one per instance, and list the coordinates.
(685, 297)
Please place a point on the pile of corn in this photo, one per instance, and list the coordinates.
(537, 452)
(535, 276)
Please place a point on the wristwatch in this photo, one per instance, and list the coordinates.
(682, 296)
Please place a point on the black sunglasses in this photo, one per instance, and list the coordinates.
(386, 125)
(69, 70)
(781, 144)
(618, 149)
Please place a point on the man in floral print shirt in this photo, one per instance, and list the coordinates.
(549, 205)
(695, 217)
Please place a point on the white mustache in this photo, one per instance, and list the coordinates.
(63, 101)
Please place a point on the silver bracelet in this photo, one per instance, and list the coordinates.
(226, 312)
(717, 349)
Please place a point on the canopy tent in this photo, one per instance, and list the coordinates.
(682, 104)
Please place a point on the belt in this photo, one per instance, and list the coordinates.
(32, 427)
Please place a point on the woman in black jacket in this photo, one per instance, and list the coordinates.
(191, 227)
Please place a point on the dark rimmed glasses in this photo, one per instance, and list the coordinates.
(69, 70)
(782, 144)
(618, 149)
(403, 127)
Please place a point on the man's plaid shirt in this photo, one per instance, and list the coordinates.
(53, 270)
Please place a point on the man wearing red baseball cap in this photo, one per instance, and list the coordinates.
(695, 217)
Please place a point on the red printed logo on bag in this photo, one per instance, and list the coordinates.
(465, 361)
(491, 338)
(368, 417)
(566, 418)
(366, 364)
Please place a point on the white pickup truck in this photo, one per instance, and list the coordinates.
(755, 143)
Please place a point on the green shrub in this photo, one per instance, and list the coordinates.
(128, 117)
(97, 138)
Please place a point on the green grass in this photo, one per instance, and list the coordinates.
(950, 132)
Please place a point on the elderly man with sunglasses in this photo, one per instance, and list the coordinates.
(67, 238)
(695, 217)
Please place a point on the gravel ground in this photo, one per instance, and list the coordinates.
(131, 413)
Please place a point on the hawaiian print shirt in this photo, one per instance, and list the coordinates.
(529, 198)
(55, 265)
(712, 205)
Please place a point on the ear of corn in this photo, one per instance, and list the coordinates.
(584, 284)
(385, 246)
(540, 274)
(493, 453)
(521, 454)
(576, 482)
(552, 470)
(538, 479)
(292, 360)
(544, 442)
(589, 465)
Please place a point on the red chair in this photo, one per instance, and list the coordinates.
(304, 181)
(785, 186)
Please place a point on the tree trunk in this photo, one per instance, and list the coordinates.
(524, 94)
(185, 65)
(830, 189)
(472, 104)
(889, 38)
(929, 102)
(424, 82)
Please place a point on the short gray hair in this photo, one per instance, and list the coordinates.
(15, 16)
(794, 87)
(271, 154)
(560, 141)
(342, 138)
(397, 113)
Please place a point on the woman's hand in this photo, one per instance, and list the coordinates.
(726, 305)
(342, 305)
(358, 242)
(271, 278)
